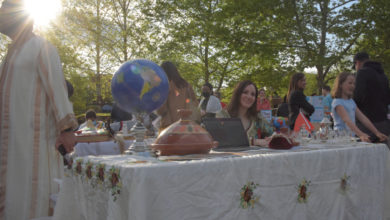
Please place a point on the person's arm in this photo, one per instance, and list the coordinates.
(304, 104)
(53, 82)
(261, 142)
(340, 110)
(366, 122)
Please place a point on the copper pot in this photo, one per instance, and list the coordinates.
(184, 137)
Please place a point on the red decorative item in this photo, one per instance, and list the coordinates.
(184, 137)
(88, 171)
(248, 194)
(303, 121)
(302, 192)
(281, 141)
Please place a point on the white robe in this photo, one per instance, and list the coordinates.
(34, 108)
(213, 106)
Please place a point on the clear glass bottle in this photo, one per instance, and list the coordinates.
(124, 128)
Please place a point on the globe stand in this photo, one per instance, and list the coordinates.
(139, 147)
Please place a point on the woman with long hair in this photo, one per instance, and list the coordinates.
(297, 100)
(243, 105)
(180, 96)
(262, 101)
(344, 109)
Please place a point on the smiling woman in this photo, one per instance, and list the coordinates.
(43, 11)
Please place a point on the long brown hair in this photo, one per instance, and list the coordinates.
(234, 103)
(341, 78)
(294, 84)
(173, 74)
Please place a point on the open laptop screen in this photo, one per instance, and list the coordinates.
(229, 132)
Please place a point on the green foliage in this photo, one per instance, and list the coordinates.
(4, 41)
(216, 41)
(376, 40)
(323, 32)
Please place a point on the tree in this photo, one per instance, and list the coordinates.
(128, 33)
(323, 33)
(188, 33)
(376, 38)
(85, 24)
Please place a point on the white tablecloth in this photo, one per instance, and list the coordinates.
(98, 148)
(312, 182)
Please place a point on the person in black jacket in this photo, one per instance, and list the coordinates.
(283, 108)
(297, 100)
(372, 92)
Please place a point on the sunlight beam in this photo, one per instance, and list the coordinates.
(43, 11)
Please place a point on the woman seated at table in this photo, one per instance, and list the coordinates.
(344, 109)
(243, 105)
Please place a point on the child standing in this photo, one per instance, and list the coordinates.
(344, 109)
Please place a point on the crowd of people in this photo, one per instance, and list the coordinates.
(34, 100)
(247, 102)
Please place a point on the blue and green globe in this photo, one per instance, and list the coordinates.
(279, 122)
(139, 86)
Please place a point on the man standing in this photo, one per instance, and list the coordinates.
(34, 112)
(372, 93)
(209, 105)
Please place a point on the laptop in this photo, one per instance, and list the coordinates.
(230, 134)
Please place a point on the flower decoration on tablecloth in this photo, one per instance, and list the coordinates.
(88, 170)
(100, 173)
(115, 180)
(248, 199)
(344, 183)
(78, 167)
(303, 193)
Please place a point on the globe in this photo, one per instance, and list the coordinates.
(139, 86)
(279, 122)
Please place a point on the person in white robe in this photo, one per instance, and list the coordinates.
(35, 116)
(209, 105)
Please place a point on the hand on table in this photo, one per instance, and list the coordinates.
(364, 137)
(382, 137)
(261, 142)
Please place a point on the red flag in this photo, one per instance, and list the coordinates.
(303, 121)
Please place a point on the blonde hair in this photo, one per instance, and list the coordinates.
(341, 78)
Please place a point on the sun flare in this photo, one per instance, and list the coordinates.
(43, 11)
